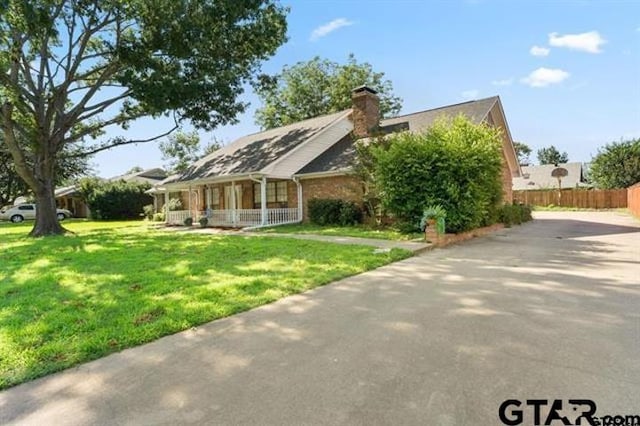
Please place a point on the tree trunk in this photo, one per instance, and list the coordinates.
(46, 215)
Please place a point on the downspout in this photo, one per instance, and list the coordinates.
(166, 206)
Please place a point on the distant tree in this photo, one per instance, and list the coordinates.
(72, 69)
(316, 87)
(135, 169)
(551, 155)
(211, 147)
(523, 151)
(182, 149)
(617, 165)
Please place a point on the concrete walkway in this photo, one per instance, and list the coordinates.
(548, 310)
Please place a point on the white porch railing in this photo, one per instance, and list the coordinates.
(238, 218)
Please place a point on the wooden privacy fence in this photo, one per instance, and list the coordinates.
(633, 199)
(580, 198)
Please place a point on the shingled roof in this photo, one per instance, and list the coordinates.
(340, 157)
(256, 152)
(539, 177)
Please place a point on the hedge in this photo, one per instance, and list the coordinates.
(115, 199)
(334, 212)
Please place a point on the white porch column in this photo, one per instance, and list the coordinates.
(233, 202)
(166, 206)
(299, 188)
(263, 200)
(189, 201)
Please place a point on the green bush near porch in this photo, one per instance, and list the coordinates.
(456, 164)
(66, 300)
(324, 211)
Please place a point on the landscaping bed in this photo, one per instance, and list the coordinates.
(359, 231)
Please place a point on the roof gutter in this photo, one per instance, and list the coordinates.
(315, 175)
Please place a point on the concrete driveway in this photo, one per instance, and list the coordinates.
(548, 310)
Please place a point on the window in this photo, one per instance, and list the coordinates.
(281, 191)
(214, 197)
(271, 192)
(276, 193)
(26, 207)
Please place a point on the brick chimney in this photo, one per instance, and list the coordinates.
(366, 111)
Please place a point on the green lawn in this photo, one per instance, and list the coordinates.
(66, 300)
(362, 231)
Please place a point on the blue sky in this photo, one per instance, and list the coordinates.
(568, 72)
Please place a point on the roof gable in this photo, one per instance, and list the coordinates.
(257, 152)
(476, 111)
(342, 154)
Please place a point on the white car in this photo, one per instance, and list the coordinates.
(21, 212)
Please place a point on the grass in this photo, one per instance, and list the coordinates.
(361, 231)
(66, 300)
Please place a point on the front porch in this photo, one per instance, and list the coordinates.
(250, 202)
(236, 218)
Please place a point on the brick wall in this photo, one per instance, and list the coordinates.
(633, 199)
(507, 182)
(347, 188)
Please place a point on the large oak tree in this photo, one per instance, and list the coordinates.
(317, 87)
(75, 69)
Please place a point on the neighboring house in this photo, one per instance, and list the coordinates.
(268, 177)
(69, 197)
(539, 177)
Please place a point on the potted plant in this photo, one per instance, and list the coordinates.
(203, 222)
(188, 221)
(432, 222)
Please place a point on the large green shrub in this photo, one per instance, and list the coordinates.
(456, 164)
(617, 165)
(514, 214)
(334, 212)
(115, 199)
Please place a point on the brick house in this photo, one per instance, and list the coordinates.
(268, 177)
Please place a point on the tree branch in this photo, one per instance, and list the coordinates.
(119, 142)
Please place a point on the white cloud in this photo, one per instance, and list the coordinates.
(587, 42)
(543, 77)
(329, 27)
(505, 82)
(470, 94)
(539, 51)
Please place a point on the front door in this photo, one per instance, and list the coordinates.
(228, 202)
(231, 215)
